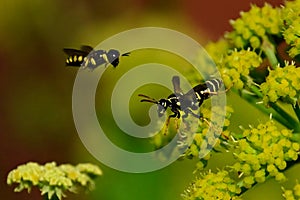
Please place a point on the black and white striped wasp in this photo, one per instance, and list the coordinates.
(178, 101)
(89, 58)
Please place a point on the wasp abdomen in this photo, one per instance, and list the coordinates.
(213, 85)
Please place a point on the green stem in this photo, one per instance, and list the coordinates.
(256, 91)
(54, 197)
(45, 197)
(297, 111)
(269, 50)
(275, 115)
(296, 137)
(285, 118)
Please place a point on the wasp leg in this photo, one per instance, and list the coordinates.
(175, 115)
(216, 93)
(176, 119)
(176, 124)
(188, 111)
(167, 124)
(186, 114)
(210, 125)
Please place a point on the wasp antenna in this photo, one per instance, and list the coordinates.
(148, 99)
(126, 54)
(142, 95)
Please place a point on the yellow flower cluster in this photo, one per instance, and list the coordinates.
(53, 180)
(207, 137)
(242, 57)
(292, 194)
(217, 50)
(264, 151)
(236, 66)
(255, 25)
(260, 29)
(282, 83)
(291, 21)
(213, 186)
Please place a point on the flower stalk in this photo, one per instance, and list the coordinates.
(269, 49)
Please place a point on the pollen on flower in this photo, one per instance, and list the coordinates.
(260, 176)
(263, 151)
(248, 181)
(254, 25)
(280, 177)
(237, 65)
(292, 193)
(212, 186)
(282, 83)
(217, 49)
(288, 194)
(290, 15)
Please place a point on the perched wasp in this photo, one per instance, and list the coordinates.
(178, 101)
(89, 58)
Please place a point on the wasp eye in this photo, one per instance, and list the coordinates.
(113, 57)
(113, 53)
(161, 110)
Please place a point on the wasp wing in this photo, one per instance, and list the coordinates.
(176, 85)
(86, 48)
(72, 52)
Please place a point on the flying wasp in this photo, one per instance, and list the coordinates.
(87, 57)
(178, 101)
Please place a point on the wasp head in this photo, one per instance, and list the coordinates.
(113, 57)
(162, 104)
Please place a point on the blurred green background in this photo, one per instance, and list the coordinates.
(36, 87)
